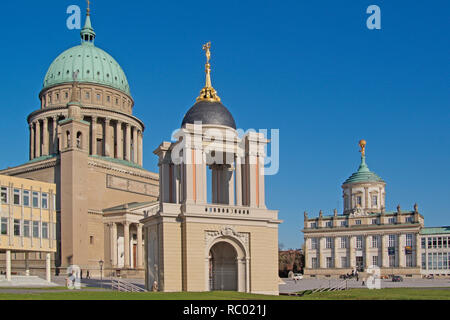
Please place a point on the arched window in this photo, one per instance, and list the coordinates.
(68, 139)
(79, 140)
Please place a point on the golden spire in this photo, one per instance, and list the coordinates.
(362, 144)
(208, 93)
(88, 7)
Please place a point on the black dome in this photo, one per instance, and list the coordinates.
(209, 112)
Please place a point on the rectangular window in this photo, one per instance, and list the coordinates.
(16, 227)
(374, 201)
(358, 222)
(430, 243)
(359, 201)
(434, 243)
(445, 261)
(4, 195)
(424, 243)
(343, 242)
(375, 241)
(444, 242)
(409, 219)
(391, 261)
(343, 223)
(4, 227)
(313, 243)
(36, 229)
(439, 242)
(424, 261)
(374, 221)
(329, 243)
(344, 262)
(409, 239)
(392, 240)
(98, 97)
(392, 220)
(35, 199)
(329, 262)
(314, 262)
(359, 242)
(430, 261)
(26, 198)
(45, 230)
(17, 197)
(375, 261)
(434, 261)
(329, 224)
(26, 228)
(313, 225)
(44, 200)
(440, 260)
(409, 260)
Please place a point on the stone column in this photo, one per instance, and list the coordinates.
(135, 145)
(37, 140)
(306, 253)
(384, 251)
(55, 136)
(401, 251)
(238, 181)
(139, 152)
(230, 175)
(128, 143)
(126, 244)
(141, 148)
(45, 138)
(139, 247)
(8, 265)
(321, 255)
(107, 141)
(352, 240)
(418, 251)
(48, 269)
(367, 261)
(94, 136)
(119, 139)
(337, 263)
(31, 141)
(114, 245)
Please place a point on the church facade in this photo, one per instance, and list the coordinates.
(87, 141)
(213, 230)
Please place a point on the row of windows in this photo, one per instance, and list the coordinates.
(436, 261)
(436, 242)
(375, 261)
(27, 228)
(88, 96)
(376, 241)
(26, 198)
(375, 221)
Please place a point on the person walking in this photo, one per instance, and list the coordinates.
(88, 275)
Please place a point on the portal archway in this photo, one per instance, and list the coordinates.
(223, 267)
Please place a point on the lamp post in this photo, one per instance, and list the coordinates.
(101, 273)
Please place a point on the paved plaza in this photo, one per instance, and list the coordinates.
(310, 284)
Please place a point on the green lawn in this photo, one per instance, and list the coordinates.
(353, 294)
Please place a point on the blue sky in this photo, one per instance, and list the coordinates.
(309, 68)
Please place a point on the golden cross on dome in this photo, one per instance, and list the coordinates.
(88, 6)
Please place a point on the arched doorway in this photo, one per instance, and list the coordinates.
(223, 268)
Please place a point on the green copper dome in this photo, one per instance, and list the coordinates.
(92, 64)
(363, 174)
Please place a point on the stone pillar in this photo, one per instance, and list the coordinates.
(135, 145)
(37, 140)
(45, 138)
(337, 263)
(8, 265)
(27, 267)
(48, 275)
(55, 136)
(322, 263)
(230, 175)
(141, 148)
(352, 240)
(306, 253)
(107, 141)
(238, 181)
(128, 143)
(418, 251)
(114, 245)
(119, 139)
(401, 251)
(367, 261)
(126, 244)
(94, 136)
(139, 247)
(384, 251)
(139, 151)
(31, 141)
